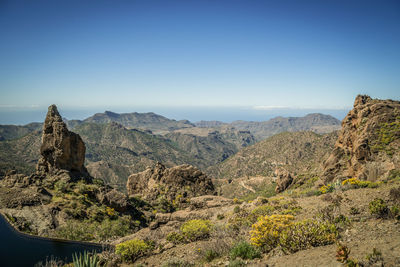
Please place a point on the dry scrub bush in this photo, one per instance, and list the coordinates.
(196, 229)
(280, 231)
(266, 232)
(133, 249)
(305, 234)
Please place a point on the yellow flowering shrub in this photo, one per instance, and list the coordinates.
(266, 231)
(326, 189)
(132, 249)
(196, 229)
(354, 182)
(307, 233)
(110, 211)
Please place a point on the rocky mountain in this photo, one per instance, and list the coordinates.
(113, 152)
(214, 147)
(315, 122)
(297, 152)
(145, 121)
(20, 154)
(9, 132)
(210, 124)
(368, 144)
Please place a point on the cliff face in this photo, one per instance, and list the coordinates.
(60, 149)
(368, 144)
(182, 181)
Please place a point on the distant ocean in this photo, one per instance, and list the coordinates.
(225, 114)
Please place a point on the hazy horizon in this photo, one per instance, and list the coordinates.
(193, 114)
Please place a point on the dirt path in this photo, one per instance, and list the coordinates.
(247, 187)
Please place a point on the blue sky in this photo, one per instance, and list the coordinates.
(142, 54)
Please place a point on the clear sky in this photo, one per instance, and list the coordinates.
(263, 54)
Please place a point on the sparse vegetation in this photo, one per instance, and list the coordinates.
(175, 238)
(89, 230)
(133, 249)
(210, 255)
(379, 208)
(195, 229)
(386, 134)
(245, 251)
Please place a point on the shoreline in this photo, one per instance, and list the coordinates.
(9, 223)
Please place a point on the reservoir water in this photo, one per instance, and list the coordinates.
(17, 249)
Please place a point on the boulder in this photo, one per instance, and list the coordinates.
(283, 181)
(184, 181)
(113, 199)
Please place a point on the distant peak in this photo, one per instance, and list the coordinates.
(110, 113)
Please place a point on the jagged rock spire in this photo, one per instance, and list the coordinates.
(60, 149)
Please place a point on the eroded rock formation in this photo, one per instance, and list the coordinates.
(368, 144)
(182, 181)
(60, 149)
(283, 181)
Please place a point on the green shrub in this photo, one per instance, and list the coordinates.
(236, 209)
(220, 216)
(88, 230)
(245, 251)
(85, 260)
(261, 211)
(374, 257)
(164, 206)
(379, 208)
(305, 234)
(196, 229)
(394, 175)
(175, 238)
(61, 186)
(133, 249)
(395, 212)
(210, 255)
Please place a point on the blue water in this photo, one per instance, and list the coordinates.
(21, 250)
(193, 114)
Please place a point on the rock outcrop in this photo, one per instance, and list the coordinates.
(60, 149)
(283, 181)
(368, 144)
(184, 181)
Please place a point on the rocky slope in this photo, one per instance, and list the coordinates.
(316, 122)
(145, 121)
(113, 151)
(368, 144)
(9, 132)
(177, 184)
(298, 153)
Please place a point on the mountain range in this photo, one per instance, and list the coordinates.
(121, 144)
